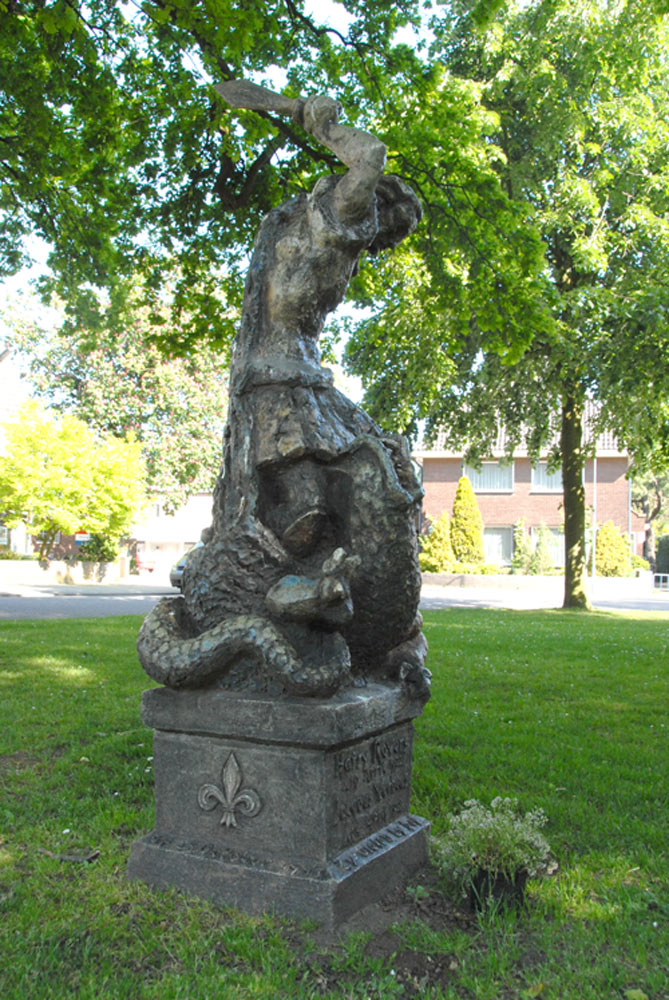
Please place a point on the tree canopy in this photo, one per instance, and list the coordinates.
(58, 475)
(131, 165)
(121, 383)
(116, 149)
(535, 133)
(578, 96)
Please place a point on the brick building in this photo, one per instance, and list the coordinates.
(507, 491)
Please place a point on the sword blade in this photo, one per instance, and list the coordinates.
(244, 94)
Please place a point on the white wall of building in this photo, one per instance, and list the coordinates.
(13, 392)
(162, 538)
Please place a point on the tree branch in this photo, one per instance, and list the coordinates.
(227, 172)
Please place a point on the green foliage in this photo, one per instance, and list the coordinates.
(535, 133)
(489, 569)
(662, 565)
(120, 383)
(650, 500)
(436, 553)
(541, 561)
(522, 548)
(58, 475)
(466, 525)
(612, 553)
(477, 569)
(571, 112)
(639, 563)
(131, 164)
(99, 549)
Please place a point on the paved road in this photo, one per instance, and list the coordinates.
(99, 600)
(86, 601)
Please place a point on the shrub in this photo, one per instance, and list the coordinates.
(466, 525)
(612, 555)
(436, 555)
(662, 564)
(498, 840)
(639, 563)
(99, 549)
(478, 569)
(522, 548)
(541, 562)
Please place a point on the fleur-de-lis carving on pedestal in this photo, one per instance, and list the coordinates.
(231, 798)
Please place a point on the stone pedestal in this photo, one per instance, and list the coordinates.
(293, 806)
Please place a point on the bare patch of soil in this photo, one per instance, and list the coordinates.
(18, 761)
(414, 971)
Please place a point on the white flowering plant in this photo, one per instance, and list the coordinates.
(501, 841)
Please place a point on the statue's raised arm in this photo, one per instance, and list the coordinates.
(361, 152)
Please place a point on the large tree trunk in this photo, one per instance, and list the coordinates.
(571, 441)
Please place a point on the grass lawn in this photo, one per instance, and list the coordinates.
(565, 711)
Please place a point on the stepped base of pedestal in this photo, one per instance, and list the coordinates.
(294, 807)
(357, 877)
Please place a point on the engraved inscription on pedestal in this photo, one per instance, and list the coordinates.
(378, 843)
(370, 786)
(231, 797)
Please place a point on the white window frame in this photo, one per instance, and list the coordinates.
(472, 475)
(545, 487)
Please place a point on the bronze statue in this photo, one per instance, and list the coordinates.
(308, 580)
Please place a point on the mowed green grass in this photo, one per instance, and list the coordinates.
(565, 711)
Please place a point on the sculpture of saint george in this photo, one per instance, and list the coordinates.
(308, 579)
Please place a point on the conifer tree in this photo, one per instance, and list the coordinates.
(522, 548)
(466, 525)
(542, 560)
(436, 554)
(612, 555)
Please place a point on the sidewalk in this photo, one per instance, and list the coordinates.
(535, 593)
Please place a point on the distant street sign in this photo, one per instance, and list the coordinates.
(81, 538)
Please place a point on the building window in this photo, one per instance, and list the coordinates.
(544, 481)
(4, 535)
(498, 545)
(555, 544)
(492, 477)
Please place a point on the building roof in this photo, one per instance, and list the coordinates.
(606, 445)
